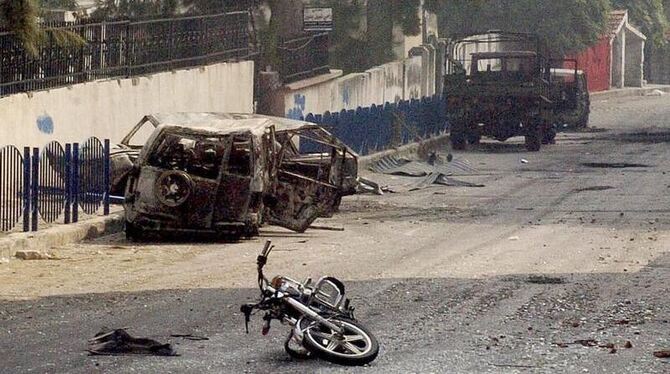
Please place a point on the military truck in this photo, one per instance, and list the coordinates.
(500, 85)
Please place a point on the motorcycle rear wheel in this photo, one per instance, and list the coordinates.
(357, 346)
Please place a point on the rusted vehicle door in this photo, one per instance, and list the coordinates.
(234, 193)
(303, 191)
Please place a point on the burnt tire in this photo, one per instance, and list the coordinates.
(316, 341)
(583, 121)
(533, 140)
(458, 142)
(133, 233)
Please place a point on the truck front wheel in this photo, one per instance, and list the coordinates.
(534, 139)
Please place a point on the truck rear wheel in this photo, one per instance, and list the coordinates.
(458, 138)
(549, 136)
(458, 142)
(534, 140)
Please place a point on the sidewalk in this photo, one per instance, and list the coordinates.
(59, 235)
(629, 91)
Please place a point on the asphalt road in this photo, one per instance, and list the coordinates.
(512, 277)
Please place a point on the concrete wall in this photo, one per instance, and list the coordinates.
(634, 72)
(411, 78)
(109, 108)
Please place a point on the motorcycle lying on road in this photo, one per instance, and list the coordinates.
(321, 319)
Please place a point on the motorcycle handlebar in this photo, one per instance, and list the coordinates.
(261, 261)
(267, 248)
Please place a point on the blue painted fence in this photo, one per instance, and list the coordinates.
(371, 129)
(53, 183)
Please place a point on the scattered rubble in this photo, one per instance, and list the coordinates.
(655, 93)
(543, 279)
(34, 255)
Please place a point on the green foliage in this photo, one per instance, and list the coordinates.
(134, 9)
(110, 9)
(355, 49)
(565, 26)
(649, 16)
(58, 4)
(20, 16)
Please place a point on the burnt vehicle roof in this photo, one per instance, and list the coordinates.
(504, 54)
(228, 122)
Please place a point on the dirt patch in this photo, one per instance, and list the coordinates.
(613, 165)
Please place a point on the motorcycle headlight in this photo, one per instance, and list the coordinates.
(277, 282)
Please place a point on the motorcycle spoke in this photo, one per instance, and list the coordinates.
(352, 348)
(321, 335)
(332, 345)
(353, 338)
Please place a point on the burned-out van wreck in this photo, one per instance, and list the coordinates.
(230, 173)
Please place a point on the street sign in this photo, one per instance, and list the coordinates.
(317, 19)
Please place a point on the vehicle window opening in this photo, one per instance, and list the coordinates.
(141, 134)
(198, 156)
(239, 161)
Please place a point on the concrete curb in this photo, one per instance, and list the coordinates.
(61, 235)
(101, 226)
(628, 92)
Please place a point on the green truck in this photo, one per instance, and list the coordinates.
(501, 85)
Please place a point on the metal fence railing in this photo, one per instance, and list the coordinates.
(122, 49)
(304, 57)
(371, 129)
(53, 183)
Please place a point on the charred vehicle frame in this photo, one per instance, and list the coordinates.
(227, 174)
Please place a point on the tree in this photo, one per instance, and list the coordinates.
(565, 26)
(57, 4)
(649, 16)
(20, 16)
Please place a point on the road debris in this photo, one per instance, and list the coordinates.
(34, 255)
(189, 337)
(368, 186)
(655, 93)
(524, 161)
(119, 342)
(395, 165)
(662, 354)
(594, 188)
(543, 279)
(326, 228)
(435, 170)
(513, 238)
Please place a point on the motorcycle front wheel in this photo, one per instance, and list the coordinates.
(356, 346)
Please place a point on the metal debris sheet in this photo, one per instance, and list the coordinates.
(431, 172)
(403, 166)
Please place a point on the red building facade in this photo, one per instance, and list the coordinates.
(596, 62)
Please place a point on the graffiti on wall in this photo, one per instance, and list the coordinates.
(299, 104)
(45, 124)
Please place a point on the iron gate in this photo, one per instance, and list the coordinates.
(52, 184)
